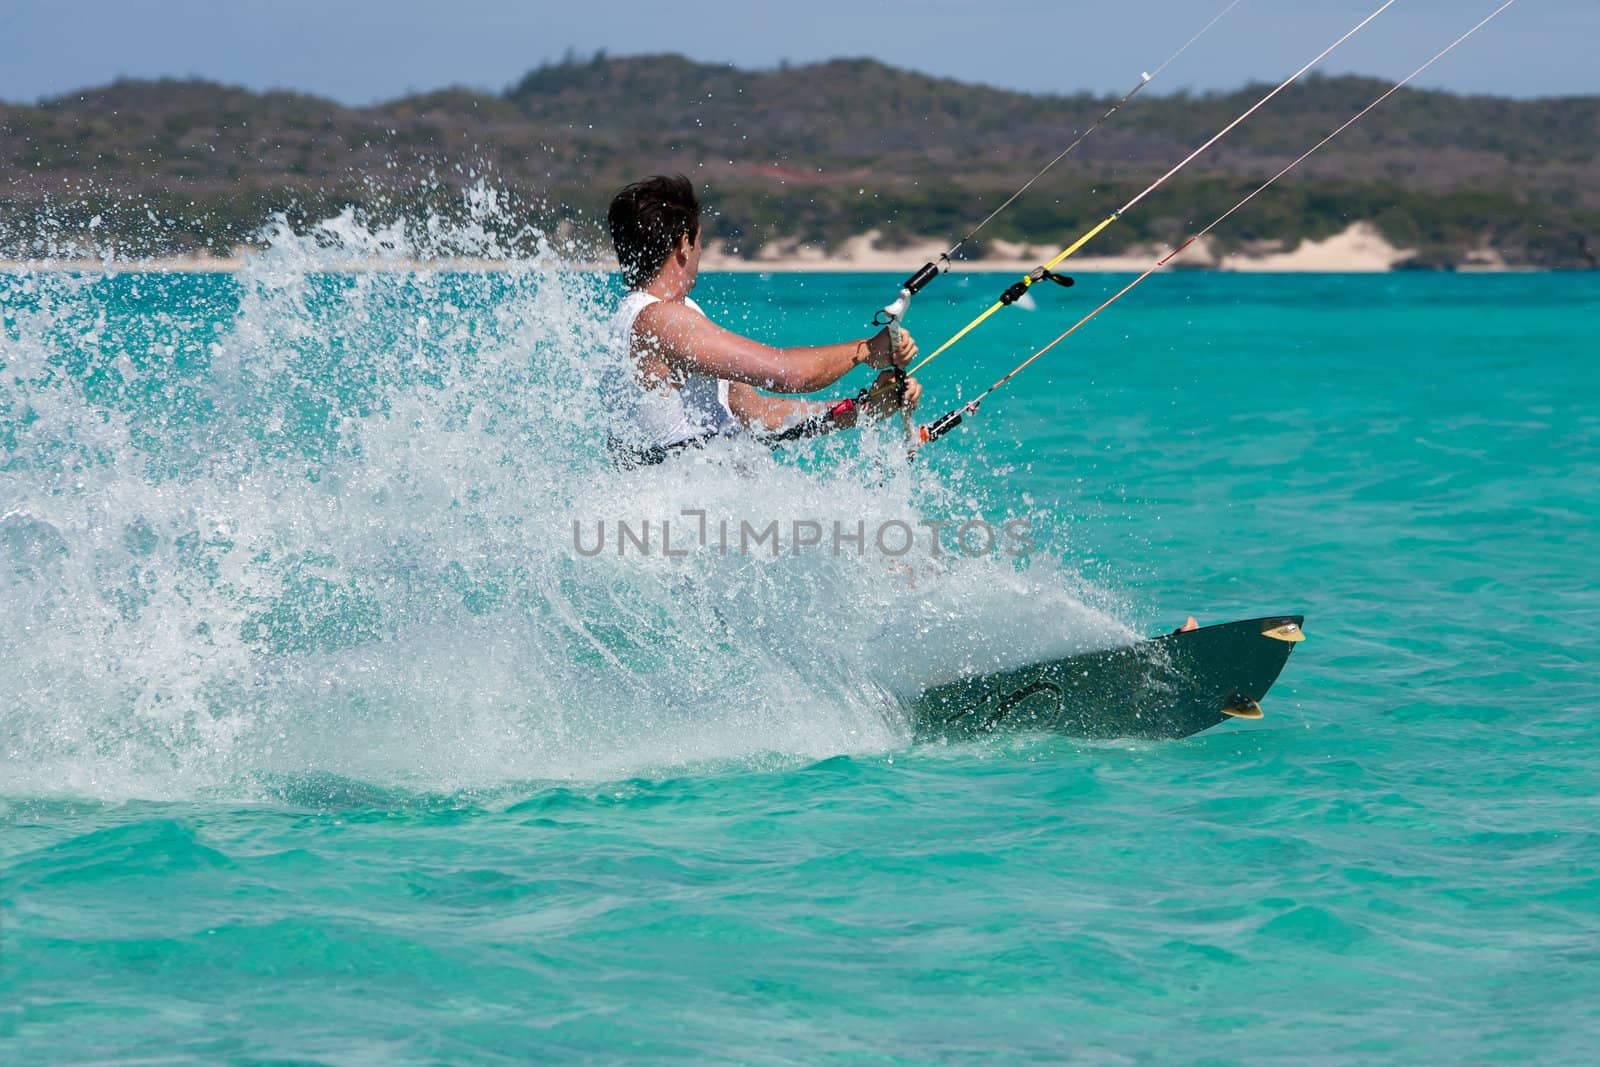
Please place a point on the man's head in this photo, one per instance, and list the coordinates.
(648, 219)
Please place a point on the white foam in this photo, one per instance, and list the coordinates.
(358, 559)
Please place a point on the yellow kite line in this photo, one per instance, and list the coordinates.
(892, 314)
(1040, 273)
(953, 418)
(1144, 79)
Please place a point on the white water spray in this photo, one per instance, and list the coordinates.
(304, 520)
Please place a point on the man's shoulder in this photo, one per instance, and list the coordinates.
(669, 312)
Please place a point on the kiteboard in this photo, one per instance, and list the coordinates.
(1173, 686)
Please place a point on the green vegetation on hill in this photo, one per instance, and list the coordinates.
(818, 153)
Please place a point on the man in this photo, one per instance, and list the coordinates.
(695, 381)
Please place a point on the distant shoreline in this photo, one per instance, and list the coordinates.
(1359, 249)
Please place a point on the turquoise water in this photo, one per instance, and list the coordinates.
(318, 743)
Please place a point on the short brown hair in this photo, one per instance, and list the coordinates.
(646, 220)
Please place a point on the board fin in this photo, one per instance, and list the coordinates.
(1289, 632)
(1242, 707)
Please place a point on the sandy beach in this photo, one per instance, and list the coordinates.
(1359, 249)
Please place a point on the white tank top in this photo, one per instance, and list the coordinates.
(660, 416)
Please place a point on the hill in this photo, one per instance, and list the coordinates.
(819, 153)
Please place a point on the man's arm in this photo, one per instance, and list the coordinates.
(688, 341)
(770, 414)
(767, 414)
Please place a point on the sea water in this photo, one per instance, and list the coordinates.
(321, 742)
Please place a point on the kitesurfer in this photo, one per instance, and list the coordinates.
(694, 381)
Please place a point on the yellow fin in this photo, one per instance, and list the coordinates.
(1287, 632)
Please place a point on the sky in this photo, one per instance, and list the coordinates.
(361, 51)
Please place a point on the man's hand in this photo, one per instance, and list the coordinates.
(881, 354)
(886, 397)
